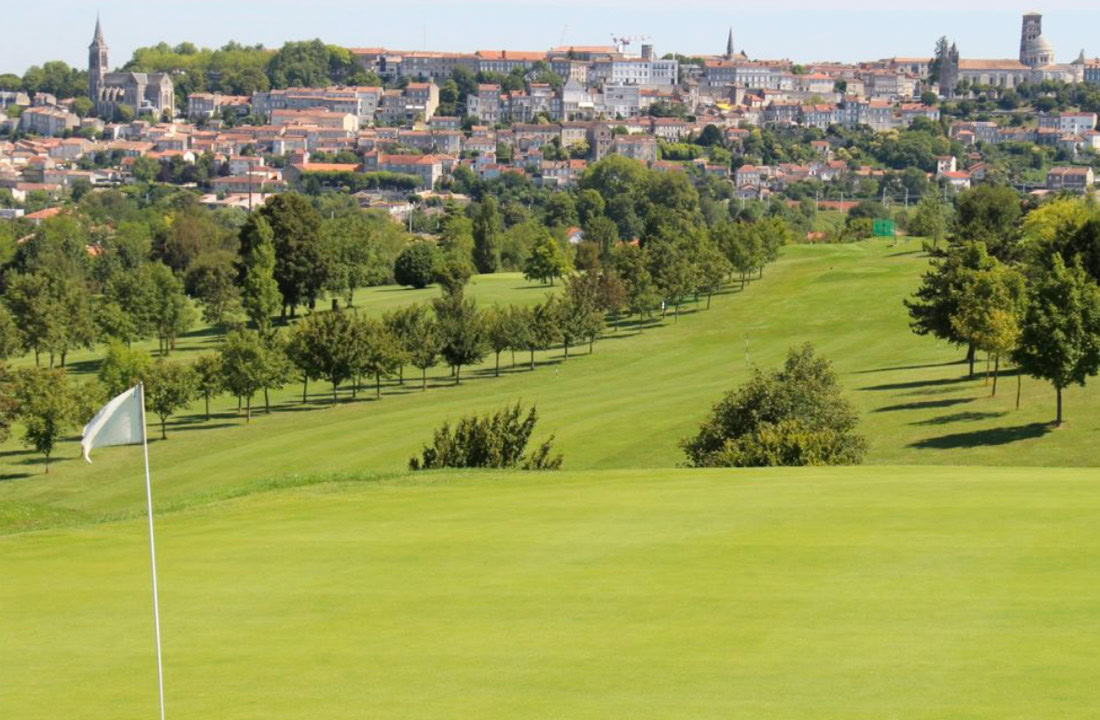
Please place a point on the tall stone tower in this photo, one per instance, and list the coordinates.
(1030, 31)
(729, 45)
(949, 71)
(97, 65)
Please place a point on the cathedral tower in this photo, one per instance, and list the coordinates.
(1035, 49)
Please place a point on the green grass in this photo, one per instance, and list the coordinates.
(625, 406)
(304, 574)
(817, 593)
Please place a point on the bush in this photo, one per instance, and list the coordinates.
(859, 229)
(496, 440)
(792, 416)
(416, 265)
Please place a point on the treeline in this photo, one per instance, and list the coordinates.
(1018, 287)
(125, 268)
(118, 270)
(233, 69)
(54, 77)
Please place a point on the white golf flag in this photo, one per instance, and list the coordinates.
(119, 422)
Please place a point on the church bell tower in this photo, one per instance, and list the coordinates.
(97, 65)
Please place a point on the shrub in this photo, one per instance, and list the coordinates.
(792, 416)
(416, 265)
(495, 440)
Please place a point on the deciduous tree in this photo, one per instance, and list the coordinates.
(169, 387)
(1060, 333)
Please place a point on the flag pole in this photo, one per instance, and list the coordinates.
(152, 547)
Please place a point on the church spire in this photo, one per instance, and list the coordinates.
(729, 45)
(97, 39)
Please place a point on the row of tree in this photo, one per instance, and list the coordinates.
(1018, 288)
(339, 347)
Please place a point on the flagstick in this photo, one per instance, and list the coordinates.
(152, 548)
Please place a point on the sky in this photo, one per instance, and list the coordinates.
(802, 30)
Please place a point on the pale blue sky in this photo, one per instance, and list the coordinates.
(798, 29)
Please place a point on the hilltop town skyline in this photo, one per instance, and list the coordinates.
(983, 30)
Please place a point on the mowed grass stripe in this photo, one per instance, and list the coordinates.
(626, 405)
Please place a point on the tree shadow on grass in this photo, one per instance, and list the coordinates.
(903, 253)
(83, 367)
(918, 384)
(909, 367)
(993, 436)
(14, 476)
(925, 405)
(960, 417)
(54, 460)
(926, 392)
(187, 426)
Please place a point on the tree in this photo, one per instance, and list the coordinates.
(496, 440)
(361, 249)
(612, 293)
(145, 169)
(942, 293)
(561, 210)
(988, 317)
(672, 271)
(122, 368)
(322, 346)
(929, 220)
(580, 315)
(641, 292)
(742, 246)
(172, 312)
(123, 113)
(82, 106)
(714, 268)
(28, 298)
(517, 325)
(462, 330)
(545, 324)
(990, 215)
(402, 323)
(498, 332)
(211, 279)
(209, 377)
(275, 369)
(1060, 333)
(487, 231)
(169, 387)
(243, 356)
(590, 206)
(260, 294)
(48, 408)
(127, 313)
(417, 265)
(380, 353)
(11, 339)
(301, 267)
(792, 416)
(602, 232)
(424, 343)
(547, 261)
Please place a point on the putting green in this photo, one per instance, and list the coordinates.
(814, 593)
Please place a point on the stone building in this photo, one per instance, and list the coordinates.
(1035, 49)
(144, 92)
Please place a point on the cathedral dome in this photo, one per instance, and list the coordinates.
(1041, 44)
